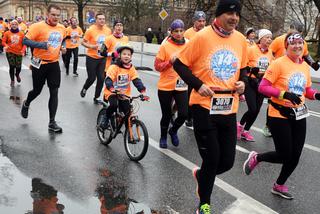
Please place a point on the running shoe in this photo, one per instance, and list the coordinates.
(53, 126)
(282, 191)
(18, 78)
(24, 110)
(195, 173)
(266, 131)
(246, 135)
(12, 84)
(250, 163)
(96, 101)
(174, 138)
(83, 92)
(75, 74)
(204, 209)
(163, 143)
(239, 130)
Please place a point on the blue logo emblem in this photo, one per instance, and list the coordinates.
(54, 39)
(297, 83)
(100, 40)
(224, 64)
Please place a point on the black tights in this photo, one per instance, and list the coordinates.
(12, 73)
(181, 99)
(289, 137)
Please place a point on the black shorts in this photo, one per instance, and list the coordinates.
(50, 72)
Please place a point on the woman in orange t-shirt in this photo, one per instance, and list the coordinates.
(287, 81)
(12, 43)
(170, 85)
(259, 58)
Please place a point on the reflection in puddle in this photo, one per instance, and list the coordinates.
(15, 99)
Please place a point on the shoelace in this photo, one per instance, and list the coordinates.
(205, 209)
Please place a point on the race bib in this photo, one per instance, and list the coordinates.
(181, 85)
(35, 62)
(221, 105)
(301, 112)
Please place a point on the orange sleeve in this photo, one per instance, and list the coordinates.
(244, 61)
(133, 73)
(80, 31)
(4, 39)
(190, 52)
(272, 73)
(87, 35)
(112, 72)
(32, 32)
(108, 42)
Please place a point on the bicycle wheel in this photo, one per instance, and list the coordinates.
(104, 135)
(136, 148)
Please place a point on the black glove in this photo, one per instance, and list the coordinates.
(294, 99)
(317, 96)
(315, 65)
(104, 50)
(254, 71)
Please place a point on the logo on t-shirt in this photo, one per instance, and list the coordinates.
(101, 39)
(74, 36)
(15, 39)
(54, 39)
(297, 83)
(224, 63)
(122, 81)
(263, 63)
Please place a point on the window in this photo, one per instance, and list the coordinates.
(64, 14)
(75, 14)
(37, 12)
(20, 12)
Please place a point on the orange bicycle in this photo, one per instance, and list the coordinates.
(136, 138)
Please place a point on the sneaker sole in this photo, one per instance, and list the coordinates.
(194, 171)
(280, 194)
(55, 130)
(246, 140)
(245, 163)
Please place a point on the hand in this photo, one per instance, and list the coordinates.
(255, 71)
(239, 86)
(205, 91)
(145, 97)
(315, 65)
(294, 99)
(23, 53)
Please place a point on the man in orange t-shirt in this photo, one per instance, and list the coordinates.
(74, 32)
(47, 38)
(210, 64)
(12, 43)
(93, 40)
(3, 28)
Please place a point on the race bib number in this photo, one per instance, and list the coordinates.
(221, 105)
(36, 62)
(301, 112)
(181, 85)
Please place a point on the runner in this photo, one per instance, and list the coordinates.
(199, 22)
(170, 85)
(64, 55)
(74, 32)
(12, 43)
(259, 58)
(95, 63)
(251, 36)
(288, 82)
(3, 28)
(215, 56)
(22, 26)
(279, 49)
(119, 76)
(46, 38)
(113, 40)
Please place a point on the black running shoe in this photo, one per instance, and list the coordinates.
(24, 110)
(54, 127)
(83, 92)
(75, 74)
(96, 101)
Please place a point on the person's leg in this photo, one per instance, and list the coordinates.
(18, 67)
(180, 98)
(11, 66)
(91, 66)
(53, 81)
(189, 119)
(100, 77)
(67, 60)
(75, 60)
(165, 98)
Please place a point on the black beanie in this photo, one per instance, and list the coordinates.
(228, 6)
(116, 22)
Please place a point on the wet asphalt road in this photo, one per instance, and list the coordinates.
(86, 176)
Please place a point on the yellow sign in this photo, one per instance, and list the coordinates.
(163, 14)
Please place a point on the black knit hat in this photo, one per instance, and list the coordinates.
(116, 22)
(228, 6)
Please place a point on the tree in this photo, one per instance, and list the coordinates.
(81, 5)
(317, 3)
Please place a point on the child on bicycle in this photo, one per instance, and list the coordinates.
(118, 78)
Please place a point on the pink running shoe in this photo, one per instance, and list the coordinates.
(250, 163)
(242, 98)
(239, 130)
(246, 135)
(282, 191)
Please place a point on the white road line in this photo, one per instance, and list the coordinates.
(248, 203)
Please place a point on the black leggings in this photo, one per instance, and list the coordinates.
(15, 62)
(216, 137)
(50, 73)
(189, 107)
(124, 105)
(289, 137)
(95, 70)
(165, 99)
(254, 101)
(71, 51)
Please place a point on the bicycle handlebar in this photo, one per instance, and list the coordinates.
(140, 96)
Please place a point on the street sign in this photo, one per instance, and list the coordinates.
(163, 14)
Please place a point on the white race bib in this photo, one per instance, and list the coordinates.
(221, 105)
(181, 85)
(36, 62)
(301, 112)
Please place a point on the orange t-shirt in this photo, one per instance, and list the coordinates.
(3, 26)
(278, 48)
(94, 35)
(256, 58)
(169, 79)
(190, 33)
(75, 34)
(42, 32)
(286, 75)
(216, 61)
(121, 79)
(13, 41)
(111, 43)
(23, 27)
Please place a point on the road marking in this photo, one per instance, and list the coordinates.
(248, 204)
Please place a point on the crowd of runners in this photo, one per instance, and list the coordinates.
(204, 71)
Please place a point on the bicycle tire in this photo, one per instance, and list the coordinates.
(143, 141)
(105, 136)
